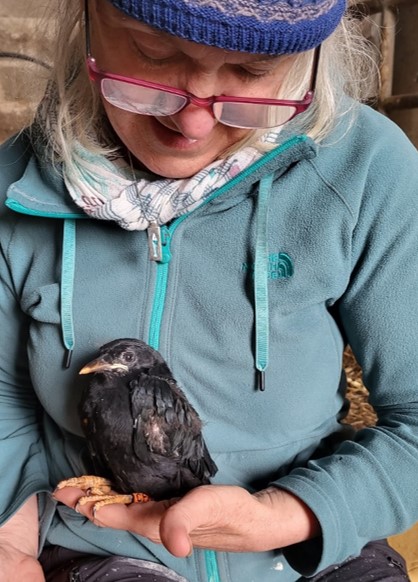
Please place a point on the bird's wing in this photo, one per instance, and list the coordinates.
(166, 424)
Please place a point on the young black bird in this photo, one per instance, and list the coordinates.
(142, 433)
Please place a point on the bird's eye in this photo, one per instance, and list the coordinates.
(128, 356)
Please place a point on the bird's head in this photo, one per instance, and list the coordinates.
(123, 356)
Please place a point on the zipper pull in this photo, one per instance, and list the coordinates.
(154, 242)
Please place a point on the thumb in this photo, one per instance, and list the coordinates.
(182, 518)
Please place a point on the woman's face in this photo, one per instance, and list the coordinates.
(177, 146)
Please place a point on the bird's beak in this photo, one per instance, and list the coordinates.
(100, 365)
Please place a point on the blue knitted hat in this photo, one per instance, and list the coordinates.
(254, 26)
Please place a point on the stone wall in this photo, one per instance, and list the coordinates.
(21, 32)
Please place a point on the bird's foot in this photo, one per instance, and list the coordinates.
(91, 484)
(103, 500)
(99, 491)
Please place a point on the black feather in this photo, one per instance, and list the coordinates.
(142, 432)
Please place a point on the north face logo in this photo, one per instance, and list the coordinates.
(280, 266)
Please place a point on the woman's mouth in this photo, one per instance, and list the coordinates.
(172, 138)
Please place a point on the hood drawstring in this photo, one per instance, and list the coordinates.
(67, 283)
(261, 281)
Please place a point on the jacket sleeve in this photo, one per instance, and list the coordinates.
(23, 470)
(367, 489)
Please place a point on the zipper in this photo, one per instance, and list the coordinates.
(212, 568)
(163, 234)
(159, 241)
(162, 237)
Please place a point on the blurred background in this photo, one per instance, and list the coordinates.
(393, 28)
(21, 34)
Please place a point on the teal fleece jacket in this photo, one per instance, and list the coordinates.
(340, 265)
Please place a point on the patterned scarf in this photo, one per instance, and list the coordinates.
(112, 190)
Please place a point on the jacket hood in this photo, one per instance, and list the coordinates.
(41, 193)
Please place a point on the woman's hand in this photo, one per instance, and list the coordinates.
(218, 517)
(19, 545)
(17, 565)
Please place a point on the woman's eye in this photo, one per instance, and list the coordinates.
(252, 74)
(152, 56)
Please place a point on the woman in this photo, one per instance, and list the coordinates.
(282, 218)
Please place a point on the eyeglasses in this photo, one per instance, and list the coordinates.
(148, 98)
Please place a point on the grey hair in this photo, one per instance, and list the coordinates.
(71, 111)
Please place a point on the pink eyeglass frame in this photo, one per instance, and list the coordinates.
(97, 75)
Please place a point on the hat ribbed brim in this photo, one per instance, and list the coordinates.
(255, 26)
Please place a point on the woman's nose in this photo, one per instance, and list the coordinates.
(194, 122)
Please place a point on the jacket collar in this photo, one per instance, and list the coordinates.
(41, 190)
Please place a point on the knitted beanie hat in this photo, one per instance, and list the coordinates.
(254, 26)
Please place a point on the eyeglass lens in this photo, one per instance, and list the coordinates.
(252, 115)
(142, 100)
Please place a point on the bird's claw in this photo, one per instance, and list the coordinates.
(98, 491)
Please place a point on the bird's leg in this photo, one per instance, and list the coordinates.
(102, 500)
(140, 498)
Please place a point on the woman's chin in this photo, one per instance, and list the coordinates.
(167, 152)
(175, 158)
